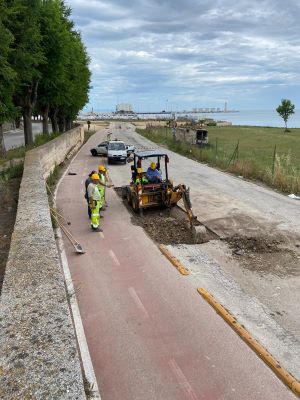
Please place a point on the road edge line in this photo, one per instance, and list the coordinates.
(87, 365)
(173, 260)
(268, 359)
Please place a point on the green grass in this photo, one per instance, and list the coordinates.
(254, 158)
(12, 172)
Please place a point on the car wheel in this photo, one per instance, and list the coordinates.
(94, 152)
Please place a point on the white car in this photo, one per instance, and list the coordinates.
(130, 149)
(116, 151)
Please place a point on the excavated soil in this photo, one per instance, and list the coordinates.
(160, 226)
(265, 255)
(261, 254)
(164, 229)
(9, 193)
(253, 244)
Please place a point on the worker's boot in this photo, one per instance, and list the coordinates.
(97, 229)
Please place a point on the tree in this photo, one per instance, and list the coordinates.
(54, 41)
(7, 76)
(64, 84)
(26, 57)
(285, 110)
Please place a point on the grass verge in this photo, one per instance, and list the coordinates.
(263, 154)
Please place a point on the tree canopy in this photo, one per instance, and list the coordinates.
(44, 66)
(7, 75)
(285, 110)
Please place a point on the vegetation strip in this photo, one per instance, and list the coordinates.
(258, 153)
(284, 375)
(177, 264)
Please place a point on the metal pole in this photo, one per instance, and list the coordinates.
(274, 157)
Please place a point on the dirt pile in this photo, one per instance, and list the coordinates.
(253, 244)
(164, 229)
(159, 225)
(265, 255)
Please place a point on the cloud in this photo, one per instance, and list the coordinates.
(193, 53)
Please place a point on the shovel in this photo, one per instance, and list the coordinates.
(77, 246)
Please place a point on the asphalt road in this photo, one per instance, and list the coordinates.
(265, 301)
(150, 335)
(15, 138)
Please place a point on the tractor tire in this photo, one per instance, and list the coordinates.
(129, 197)
(94, 152)
(135, 204)
(124, 192)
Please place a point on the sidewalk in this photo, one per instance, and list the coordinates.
(150, 334)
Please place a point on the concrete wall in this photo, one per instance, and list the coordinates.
(39, 357)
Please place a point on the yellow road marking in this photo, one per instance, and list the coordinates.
(177, 264)
(283, 374)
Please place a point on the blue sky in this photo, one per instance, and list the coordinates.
(175, 54)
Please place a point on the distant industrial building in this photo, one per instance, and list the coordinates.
(124, 108)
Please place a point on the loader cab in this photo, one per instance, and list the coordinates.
(143, 159)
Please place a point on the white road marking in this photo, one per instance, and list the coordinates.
(81, 182)
(114, 257)
(138, 302)
(81, 338)
(183, 382)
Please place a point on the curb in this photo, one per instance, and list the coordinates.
(282, 374)
(173, 260)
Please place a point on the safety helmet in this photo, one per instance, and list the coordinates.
(101, 168)
(95, 177)
(139, 170)
(153, 165)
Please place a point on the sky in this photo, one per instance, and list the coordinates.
(183, 54)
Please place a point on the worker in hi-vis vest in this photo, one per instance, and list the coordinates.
(95, 200)
(103, 179)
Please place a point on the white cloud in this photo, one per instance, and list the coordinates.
(151, 50)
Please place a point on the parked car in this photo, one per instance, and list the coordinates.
(130, 149)
(116, 151)
(100, 150)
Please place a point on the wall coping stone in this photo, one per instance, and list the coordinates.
(38, 350)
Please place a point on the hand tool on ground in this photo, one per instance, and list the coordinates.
(77, 246)
(60, 216)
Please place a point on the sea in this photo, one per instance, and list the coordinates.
(243, 117)
(253, 118)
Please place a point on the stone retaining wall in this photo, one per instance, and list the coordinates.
(39, 357)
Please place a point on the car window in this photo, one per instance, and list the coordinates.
(116, 146)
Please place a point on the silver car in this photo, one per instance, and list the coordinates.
(100, 150)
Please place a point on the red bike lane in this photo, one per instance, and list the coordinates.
(149, 333)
